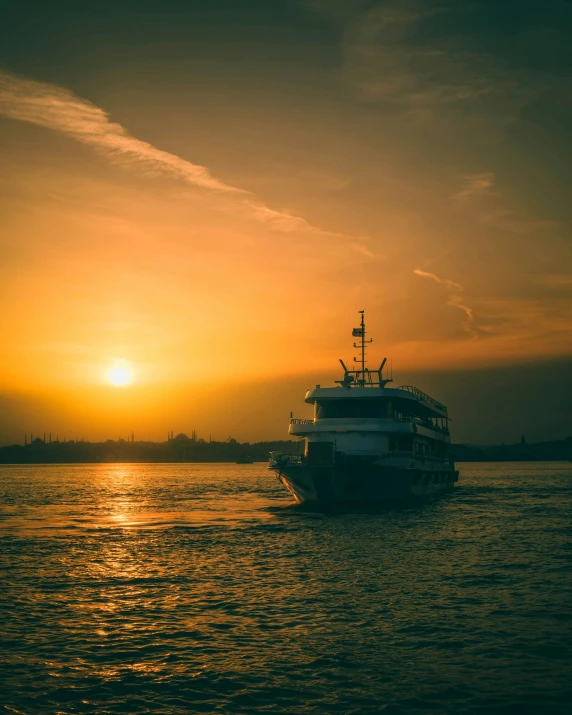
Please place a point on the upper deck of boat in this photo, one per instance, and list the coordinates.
(406, 393)
(362, 383)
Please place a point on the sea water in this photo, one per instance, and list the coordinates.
(179, 588)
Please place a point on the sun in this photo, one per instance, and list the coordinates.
(119, 376)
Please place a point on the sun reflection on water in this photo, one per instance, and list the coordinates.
(178, 588)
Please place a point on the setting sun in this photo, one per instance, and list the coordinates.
(149, 280)
(119, 376)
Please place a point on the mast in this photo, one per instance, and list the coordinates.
(360, 332)
(362, 376)
(362, 343)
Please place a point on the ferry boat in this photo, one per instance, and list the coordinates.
(368, 442)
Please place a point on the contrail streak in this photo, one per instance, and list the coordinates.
(57, 108)
(454, 298)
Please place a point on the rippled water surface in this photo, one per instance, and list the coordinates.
(201, 588)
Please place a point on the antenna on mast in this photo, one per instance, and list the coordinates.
(362, 376)
(360, 333)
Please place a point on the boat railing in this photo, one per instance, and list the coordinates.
(431, 425)
(422, 423)
(280, 459)
(403, 419)
(400, 454)
(424, 397)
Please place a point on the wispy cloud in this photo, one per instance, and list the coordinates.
(60, 110)
(479, 195)
(419, 58)
(507, 220)
(442, 281)
(398, 51)
(454, 299)
(547, 323)
(554, 281)
(475, 186)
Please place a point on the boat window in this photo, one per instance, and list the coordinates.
(353, 408)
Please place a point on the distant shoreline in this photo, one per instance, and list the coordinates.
(71, 464)
(181, 449)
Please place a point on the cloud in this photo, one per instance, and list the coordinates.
(534, 320)
(442, 281)
(507, 220)
(60, 110)
(554, 281)
(405, 51)
(478, 195)
(455, 299)
(475, 186)
(437, 61)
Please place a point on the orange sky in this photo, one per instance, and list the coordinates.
(205, 226)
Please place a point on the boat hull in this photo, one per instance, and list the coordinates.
(379, 483)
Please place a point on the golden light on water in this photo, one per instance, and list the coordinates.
(119, 376)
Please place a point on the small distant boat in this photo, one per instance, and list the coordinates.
(368, 442)
(245, 460)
